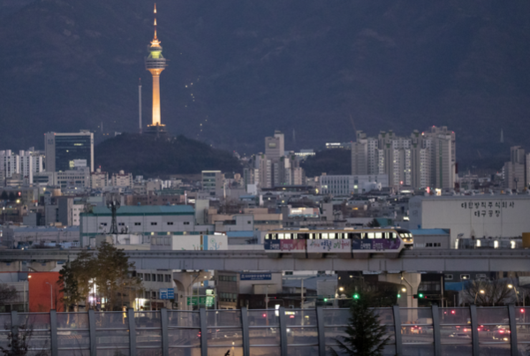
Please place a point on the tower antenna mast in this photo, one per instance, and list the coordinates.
(140, 103)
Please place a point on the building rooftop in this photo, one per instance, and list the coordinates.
(145, 210)
(474, 197)
(30, 229)
(430, 232)
(240, 233)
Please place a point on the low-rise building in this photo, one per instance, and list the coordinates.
(145, 220)
(352, 184)
(16, 236)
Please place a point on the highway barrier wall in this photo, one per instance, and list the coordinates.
(411, 331)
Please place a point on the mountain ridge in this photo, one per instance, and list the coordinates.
(313, 69)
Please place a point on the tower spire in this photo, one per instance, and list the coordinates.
(155, 41)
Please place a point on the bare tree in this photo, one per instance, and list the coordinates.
(488, 293)
(19, 342)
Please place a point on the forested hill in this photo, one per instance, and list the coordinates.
(151, 157)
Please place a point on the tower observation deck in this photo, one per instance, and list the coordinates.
(155, 63)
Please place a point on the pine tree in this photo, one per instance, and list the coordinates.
(366, 335)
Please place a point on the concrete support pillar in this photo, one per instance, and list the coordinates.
(185, 282)
(408, 286)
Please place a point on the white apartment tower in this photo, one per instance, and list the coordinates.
(25, 163)
(515, 171)
(443, 159)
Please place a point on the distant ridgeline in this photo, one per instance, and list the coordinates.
(148, 156)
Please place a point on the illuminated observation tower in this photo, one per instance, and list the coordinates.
(155, 63)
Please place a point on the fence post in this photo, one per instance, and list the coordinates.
(132, 332)
(92, 332)
(14, 326)
(283, 332)
(165, 334)
(397, 330)
(53, 333)
(244, 328)
(513, 330)
(474, 329)
(436, 330)
(204, 332)
(321, 332)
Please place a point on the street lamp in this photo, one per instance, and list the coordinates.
(341, 289)
(511, 286)
(51, 296)
(481, 292)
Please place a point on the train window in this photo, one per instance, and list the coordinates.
(370, 235)
(332, 235)
(266, 236)
(391, 235)
(281, 236)
(354, 236)
(363, 235)
(325, 235)
(311, 236)
(295, 236)
(287, 236)
(378, 235)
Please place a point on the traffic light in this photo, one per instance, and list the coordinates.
(521, 310)
(356, 296)
(453, 312)
(419, 296)
(399, 295)
(325, 300)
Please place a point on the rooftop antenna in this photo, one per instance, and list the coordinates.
(113, 204)
(140, 103)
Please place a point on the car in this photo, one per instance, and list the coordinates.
(501, 334)
(460, 335)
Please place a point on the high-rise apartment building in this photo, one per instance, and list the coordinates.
(25, 164)
(275, 167)
(62, 149)
(443, 160)
(419, 161)
(10, 163)
(515, 171)
(359, 155)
